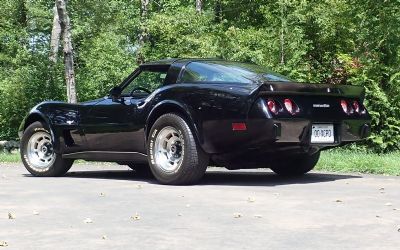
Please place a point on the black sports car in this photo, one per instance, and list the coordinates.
(177, 116)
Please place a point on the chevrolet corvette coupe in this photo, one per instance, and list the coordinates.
(175, 117)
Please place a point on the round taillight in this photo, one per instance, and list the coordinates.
(290, 106)
(345, 106)
(356, 107)
(272, 106)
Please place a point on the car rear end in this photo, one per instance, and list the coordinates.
(311, 116)
(287, 119)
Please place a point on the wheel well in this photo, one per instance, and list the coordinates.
(33, 118)
(169, 108)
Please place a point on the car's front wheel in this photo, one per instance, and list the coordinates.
(296, 165)
(37, 152)
(174, 154)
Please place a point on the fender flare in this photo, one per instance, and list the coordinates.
(168, 106)
(35, 116)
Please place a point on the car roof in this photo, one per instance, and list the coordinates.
(170, 61)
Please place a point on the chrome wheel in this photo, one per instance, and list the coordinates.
(40, 152)
(169, 149)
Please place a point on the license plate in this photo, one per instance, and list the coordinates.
(322, 133)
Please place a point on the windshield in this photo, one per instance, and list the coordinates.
(233, 72)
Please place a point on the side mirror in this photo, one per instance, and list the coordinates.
(115, 93)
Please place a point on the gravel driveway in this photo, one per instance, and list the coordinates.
(106, 206)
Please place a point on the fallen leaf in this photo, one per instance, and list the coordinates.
(11, 216)
(102, 194)
(35, 212)
(388, 204)
(135, 217)
(237, 215)
(338, 201)
(382, 188)
(3, 243)
(104, 237)
(88, 221)
(377, 216)
(258, 216)
(251, 199)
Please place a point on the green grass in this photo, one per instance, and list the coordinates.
(359, 162)
(14, 157)
(338, 160)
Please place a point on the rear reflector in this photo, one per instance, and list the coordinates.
(240, 126)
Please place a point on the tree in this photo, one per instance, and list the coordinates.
(199, 6)
(55, 36)
(143, 35)
(68, 50)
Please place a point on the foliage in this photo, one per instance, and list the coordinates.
(325, 41)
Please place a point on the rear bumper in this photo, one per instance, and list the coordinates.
(299, 131)
(275, 140)
(280, 135)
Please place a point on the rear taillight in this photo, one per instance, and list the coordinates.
(272, 106)
(291, 107)
(352, 107)
(356, 107)
(345, 106)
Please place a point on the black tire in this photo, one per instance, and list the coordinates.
(297, 165)
(142, 170)
(58, 167)
(194, 160)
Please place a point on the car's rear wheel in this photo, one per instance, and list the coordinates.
(174, 154)
(296, 165)
(37, 152)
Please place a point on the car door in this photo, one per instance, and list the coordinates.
(118, 125)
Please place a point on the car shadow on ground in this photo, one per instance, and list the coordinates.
(215, 177)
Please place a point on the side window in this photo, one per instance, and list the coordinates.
(193, 73)
(150, 80)
(216, 73)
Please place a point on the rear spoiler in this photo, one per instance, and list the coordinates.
(291, 88)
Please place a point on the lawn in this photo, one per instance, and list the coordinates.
(14, 157)
(360, 162)
(337, 160)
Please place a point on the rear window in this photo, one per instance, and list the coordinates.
(232, 72)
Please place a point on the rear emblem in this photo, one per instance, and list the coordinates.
(321, 105)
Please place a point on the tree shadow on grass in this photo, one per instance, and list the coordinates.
(220, 177)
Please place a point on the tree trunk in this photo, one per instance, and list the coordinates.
(68, 50)
(143, 36)
(55, 37)
(282, 35)
(199, 6)
(218, 11)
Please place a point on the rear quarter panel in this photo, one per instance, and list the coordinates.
(212, 108)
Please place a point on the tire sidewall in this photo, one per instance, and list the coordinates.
(57, 168)
(181, 126)
(31, 130)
